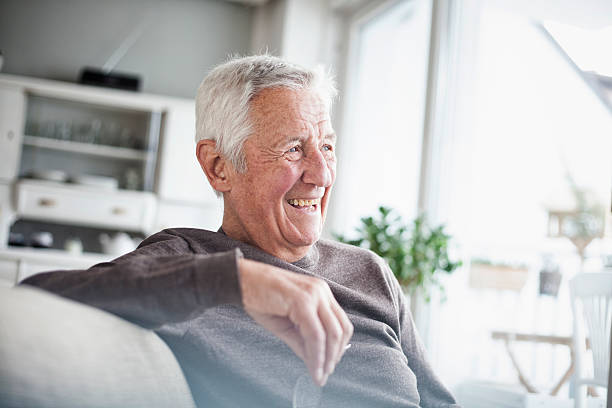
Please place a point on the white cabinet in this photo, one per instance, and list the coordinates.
(12, 104)
(21, 263)
(180, 178)
(7, 211)
(52, 134)
(69, 138)
(49, 201)
(27, 268)
(192, 216)
(8, 272)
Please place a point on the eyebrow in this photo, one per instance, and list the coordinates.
(293, 140)
(331, 136)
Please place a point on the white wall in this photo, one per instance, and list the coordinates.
(54, 39)
(268, 28)
(303, 32)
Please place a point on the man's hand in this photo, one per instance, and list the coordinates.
(301, 310)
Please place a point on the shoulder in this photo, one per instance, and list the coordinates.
(182, 240)
(366, 273)
(351, 253)
(355, 260)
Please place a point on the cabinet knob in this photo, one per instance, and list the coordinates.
(46, 202)
(119, 211)
(10, 135)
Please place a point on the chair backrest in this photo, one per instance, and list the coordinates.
(591, 295)
(609, 404)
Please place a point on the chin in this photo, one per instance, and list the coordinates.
(311, 237)
(304, 237)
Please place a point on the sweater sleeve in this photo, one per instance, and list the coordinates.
(432, 392)
(162, 281)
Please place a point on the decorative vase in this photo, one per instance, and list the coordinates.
(550, 282)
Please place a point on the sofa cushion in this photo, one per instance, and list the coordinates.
(55, 352)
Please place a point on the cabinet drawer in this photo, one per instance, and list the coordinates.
(8, 272)
(107, 209)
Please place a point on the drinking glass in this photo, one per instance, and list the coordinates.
(306, 394)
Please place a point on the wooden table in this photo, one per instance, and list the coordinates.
(509, 337)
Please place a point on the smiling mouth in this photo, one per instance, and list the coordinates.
(307, 205)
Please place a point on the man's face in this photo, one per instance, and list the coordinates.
(279, 203)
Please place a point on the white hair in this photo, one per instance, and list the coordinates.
(222, 101)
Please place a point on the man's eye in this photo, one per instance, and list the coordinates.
(294, 149)
(328, 148)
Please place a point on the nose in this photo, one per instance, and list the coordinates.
(317, 170)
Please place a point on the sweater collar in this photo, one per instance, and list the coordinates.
(308, 261)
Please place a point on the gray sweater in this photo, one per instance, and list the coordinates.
(183, 283)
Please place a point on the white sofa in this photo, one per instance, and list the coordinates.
(55, 352)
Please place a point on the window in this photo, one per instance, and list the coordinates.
(520, 120)
(535, 122)
(380, 145)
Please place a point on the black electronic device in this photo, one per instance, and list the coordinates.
(107, 76)
(98, 77)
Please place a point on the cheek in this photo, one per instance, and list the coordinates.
(277, 183)
(331, 165)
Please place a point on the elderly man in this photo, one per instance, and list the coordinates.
(252, 309)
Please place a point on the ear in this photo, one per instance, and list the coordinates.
(214, 165)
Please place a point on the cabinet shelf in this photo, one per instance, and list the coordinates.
(86, 148)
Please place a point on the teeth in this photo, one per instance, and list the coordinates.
(304, 203)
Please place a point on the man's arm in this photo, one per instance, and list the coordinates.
(164, 281)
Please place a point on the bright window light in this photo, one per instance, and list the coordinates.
(588, 48)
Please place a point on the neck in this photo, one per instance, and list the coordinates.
(286, 252)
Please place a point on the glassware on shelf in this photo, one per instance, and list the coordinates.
(89, 132)
(74, 246)
(47, 129)
(80, 138)
(127, 138)
(41, 239)
(64, 130)
(132, 179)
(32, 128)
(111, 133)
(83, 129)
(95, 129)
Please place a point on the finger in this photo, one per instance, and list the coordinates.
(333, 336)
(284, 329)
(295, 342)
(347, 327)
(343, 321)
(313, 336)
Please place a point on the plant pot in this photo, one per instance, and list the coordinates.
(550, 282)
(484, 276)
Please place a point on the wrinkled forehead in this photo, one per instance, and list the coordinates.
(288, 110)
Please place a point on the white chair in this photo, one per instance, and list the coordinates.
(591, 295)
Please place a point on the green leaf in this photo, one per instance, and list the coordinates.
(415, 252)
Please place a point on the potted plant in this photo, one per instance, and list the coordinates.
(581, 224)
(416, 253)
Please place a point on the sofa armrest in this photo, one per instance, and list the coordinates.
(55, 352)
